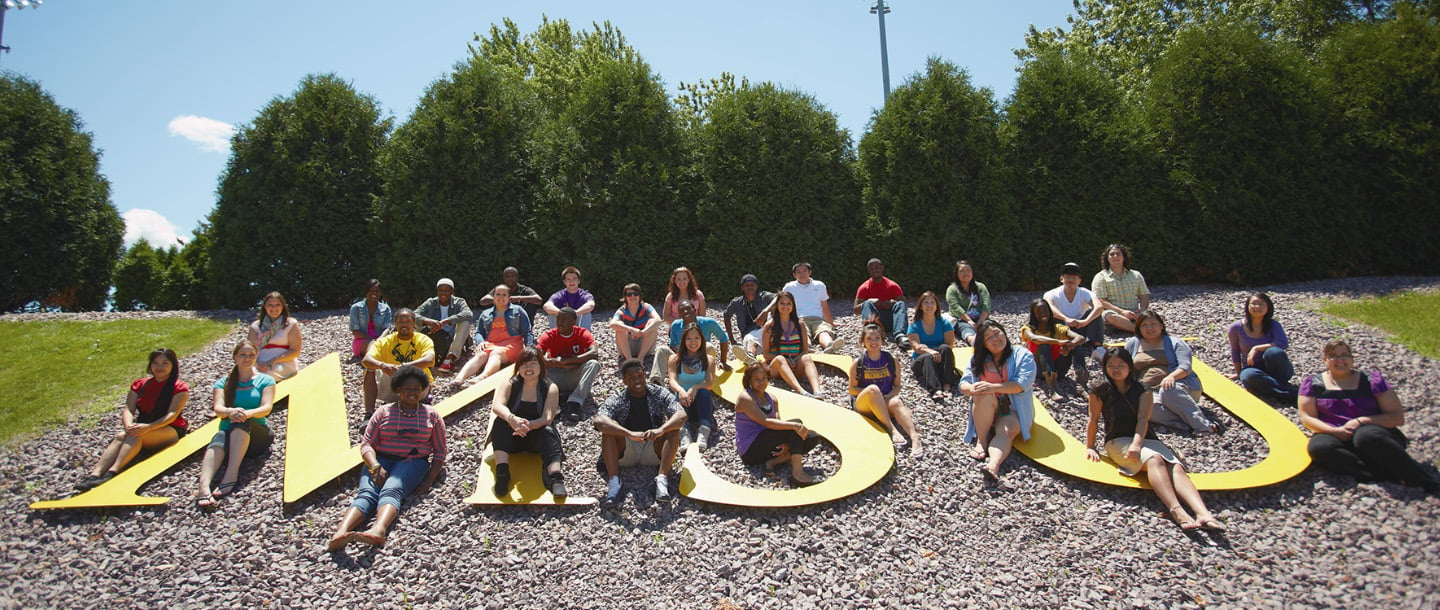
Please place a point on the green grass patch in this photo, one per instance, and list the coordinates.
(1412, 318)
(52, 370)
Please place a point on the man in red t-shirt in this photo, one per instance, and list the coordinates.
(879, 299)
(570, 361)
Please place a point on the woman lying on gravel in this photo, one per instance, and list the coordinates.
(150, 420)
(523, 422)
(787, 347)
(691, 375)
(404, 450)
(1164, 365)
(933, 339)
(998, 379)
(636, 324)
(761, 437)
(875, 389)
(277, 335)
(243, 399)
(1257, 348)
(1129, 442)
(1356, 419)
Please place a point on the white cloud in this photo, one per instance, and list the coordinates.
(150, 225)
(210, 134)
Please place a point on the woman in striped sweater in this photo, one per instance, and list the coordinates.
(403, 450)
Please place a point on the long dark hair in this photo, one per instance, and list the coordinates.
(1106, 389)
(684, 349)
(1124, 257)
(167, 391)
(955, 277)
(1034, 321)
(232, 380)
(284, 308)
(928, 294)
(1264, 320)
(1145, 315)
(982, 353)
(794, 319)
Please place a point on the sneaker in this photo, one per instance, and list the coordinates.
(612, 493)
(684, 437)
(91, 482)
(835, 346)
(571, 412)
(662, 488)
(1082, 376)
(704, 440)
(448, 365)
(502, 480)
(743, 356)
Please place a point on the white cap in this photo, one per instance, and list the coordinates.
(445, 281)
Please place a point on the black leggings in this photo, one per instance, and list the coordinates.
(543, 441)
(1374, 453)
(765, 444)
(933, 374)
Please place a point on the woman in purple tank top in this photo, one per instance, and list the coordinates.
(875, 390)
(761, 437)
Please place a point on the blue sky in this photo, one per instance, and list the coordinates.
(161, 83)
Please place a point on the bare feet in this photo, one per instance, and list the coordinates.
(368, 537)
(1183, 519)
(339, 541)
(991, 477)
(1210, 523)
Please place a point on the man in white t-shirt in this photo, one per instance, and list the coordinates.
(1078, 308)
(812, 304)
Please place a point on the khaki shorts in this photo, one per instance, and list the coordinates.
(816, 325)
(639, 453)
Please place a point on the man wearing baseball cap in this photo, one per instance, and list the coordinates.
(446, 319)
(748, 311)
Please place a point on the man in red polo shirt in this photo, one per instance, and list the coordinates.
(879, 299)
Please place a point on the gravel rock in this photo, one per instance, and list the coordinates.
(927, 535)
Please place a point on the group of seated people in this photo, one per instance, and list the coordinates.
(1147, 383)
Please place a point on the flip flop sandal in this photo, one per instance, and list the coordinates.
(222, 490)
(1212, 525)
(204, 503)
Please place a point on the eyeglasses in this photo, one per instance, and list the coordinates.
(632, 294)
(1340, 357)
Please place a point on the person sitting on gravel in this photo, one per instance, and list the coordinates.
(761, 437)
(691, 375)
(933, 339)
(520, 294)
(403, 450)
(1121, 290)
(1122, 401)
(1163, 363)
(639, 425)
(636, 324)
(709, 327)
(571, 361)
(968, 301)
(1078, 309)
(523, 423)
(506, 329)
(682, 287)
(388, 353)
(787, 347)
(748, 312)
(370, 317)
(446, 319)
(1051, 343)
(1356, 418)
(278, 337)
(998, 378)
(1257, 349)
(243, 399)
(880, 300)
(151, 419)
(875, 389)
(812, 301)
(572, 296)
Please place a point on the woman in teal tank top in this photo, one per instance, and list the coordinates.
(692, 374)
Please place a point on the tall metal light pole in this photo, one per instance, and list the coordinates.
(5, 8)
(880, 9)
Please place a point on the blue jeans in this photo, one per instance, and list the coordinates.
(1044, 363)
(895, 322)
(1270, 376)
(405, 476)
(701, 411)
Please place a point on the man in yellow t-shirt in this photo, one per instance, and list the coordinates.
(389, 352)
